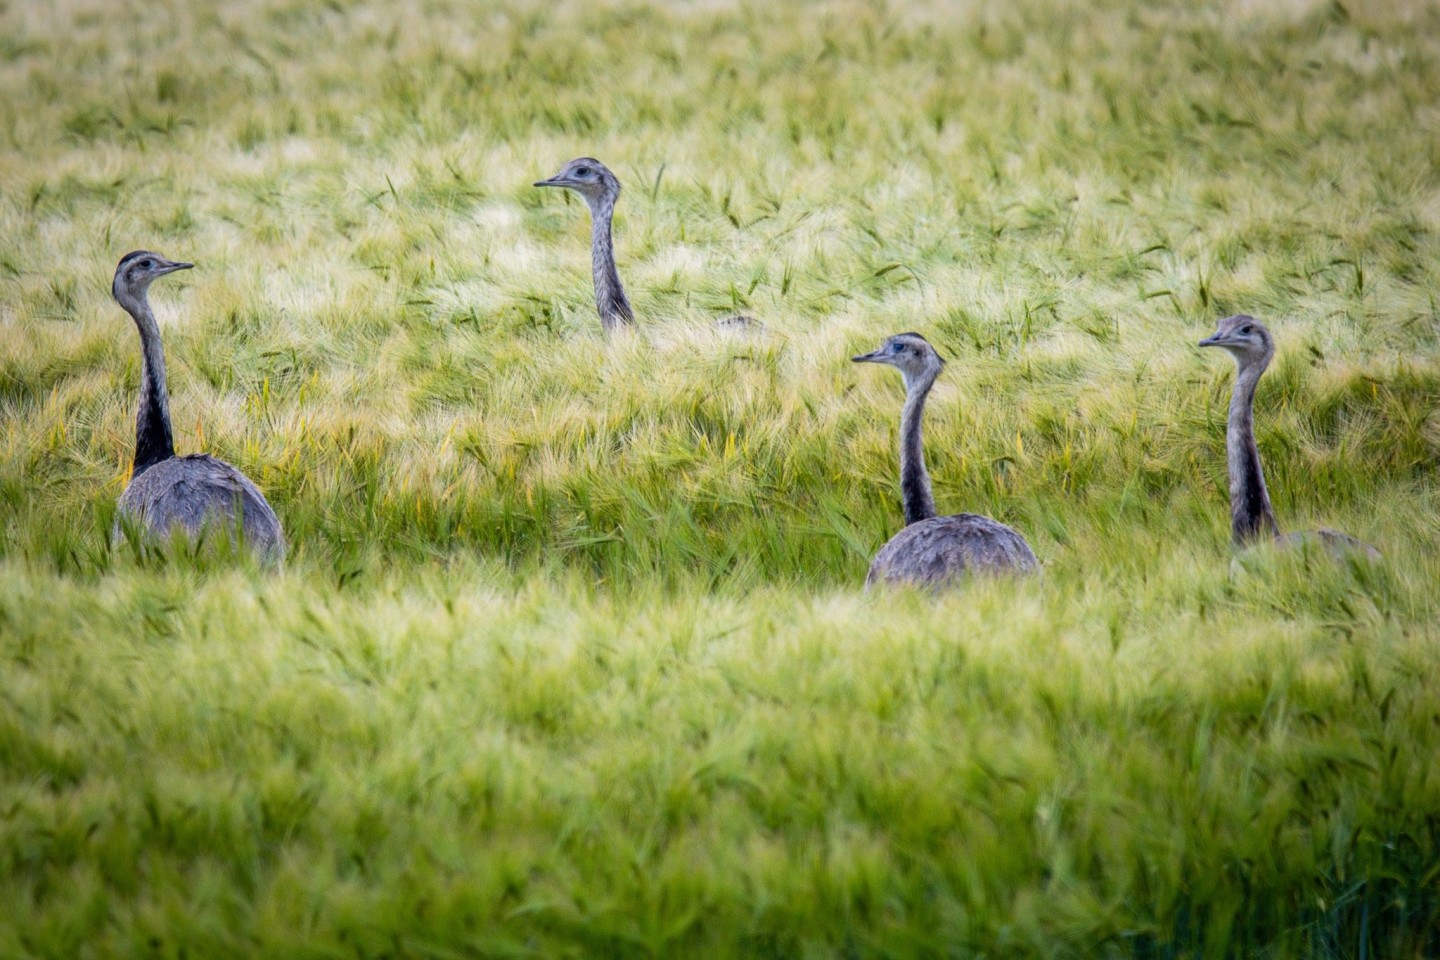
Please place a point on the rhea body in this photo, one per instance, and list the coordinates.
(1252, 517)
(601, 189)
(167, 492)
(934, 551)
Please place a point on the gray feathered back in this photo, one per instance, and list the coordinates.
(940, 550)
(201, 494)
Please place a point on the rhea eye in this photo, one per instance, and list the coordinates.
(147, 264)
(896, 347)
(582, 171)
(1246, 329)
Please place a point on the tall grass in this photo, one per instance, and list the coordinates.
(569, 656)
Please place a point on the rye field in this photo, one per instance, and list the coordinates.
(570, 656)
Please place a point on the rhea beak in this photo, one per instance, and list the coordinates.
(174, 266)
(871, 357)
(1214, 340)
(555, 181)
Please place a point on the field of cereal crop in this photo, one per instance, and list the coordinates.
(570, 655)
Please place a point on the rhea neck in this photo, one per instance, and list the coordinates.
(914, 478)
(610, 300)
(153, 439)
(1251, 516)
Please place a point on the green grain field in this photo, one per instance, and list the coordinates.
(570, 656)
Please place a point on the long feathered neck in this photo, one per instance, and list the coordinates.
(914, 478)
(610, 299)
(153, 439)
(1251, 516)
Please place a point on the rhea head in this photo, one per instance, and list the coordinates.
(909, 353)
(1245, 338)
(135, 272)
(588, 177)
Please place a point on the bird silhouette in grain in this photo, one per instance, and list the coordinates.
(1252, 518)
(934, 551)
(601, 189)
(191, 493)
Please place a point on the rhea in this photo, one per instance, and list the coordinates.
(934, 551)
(601, 189)
(1252, 518)
(167, 493)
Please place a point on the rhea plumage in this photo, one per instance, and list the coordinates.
(166, 492)
(601, 189)
(593, 180)
(1252, 518)
(934, 551)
